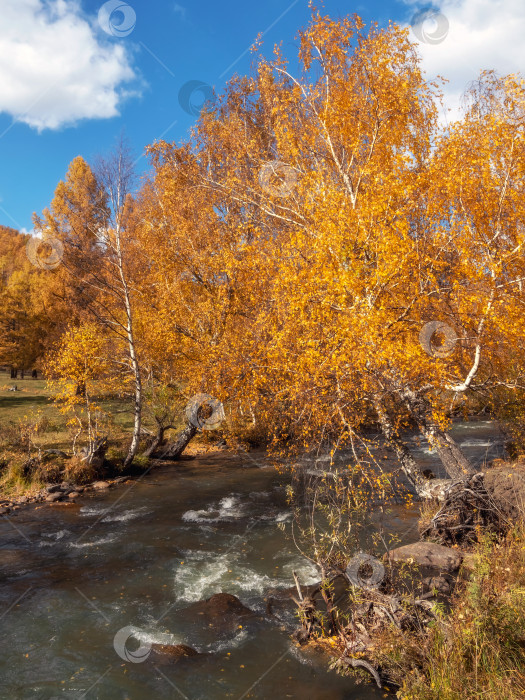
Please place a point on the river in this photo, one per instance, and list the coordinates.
(134, 557)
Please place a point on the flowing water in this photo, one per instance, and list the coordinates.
(81, 584)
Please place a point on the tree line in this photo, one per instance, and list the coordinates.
(321, 253)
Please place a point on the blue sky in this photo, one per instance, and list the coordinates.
(71, 83)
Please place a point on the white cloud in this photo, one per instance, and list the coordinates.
(482, 34)
(56, 67)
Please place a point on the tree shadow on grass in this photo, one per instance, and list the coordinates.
(16, 401)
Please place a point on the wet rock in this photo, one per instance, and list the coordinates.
(221, 605)
(218, 617)
(72, 495)
(506, 485)
(428, 554)
(53, 497)
(174, 651)
(100, 485)
(53, 488)
(4, 510)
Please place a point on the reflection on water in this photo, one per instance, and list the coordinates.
(72, 577)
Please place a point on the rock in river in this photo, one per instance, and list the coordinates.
(219, 617)
(54, 497)
(174, 651)
(100, 485)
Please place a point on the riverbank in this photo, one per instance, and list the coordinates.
(478, 649)
(444, 622)
(66, 491)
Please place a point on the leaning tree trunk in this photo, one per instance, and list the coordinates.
(456, 464)
(407, 462)
(158, 440)
(175, 450)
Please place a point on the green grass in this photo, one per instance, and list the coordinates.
(33, 404)
(34, 396)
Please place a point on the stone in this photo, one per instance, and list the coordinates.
(220, 616)
(222, 604)
(72, 495)
(53, 497)
(53, 488)
(100, 485)
(175, 651)
(434, 556)
(4, 510)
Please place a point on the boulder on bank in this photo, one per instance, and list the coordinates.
(428, 554)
